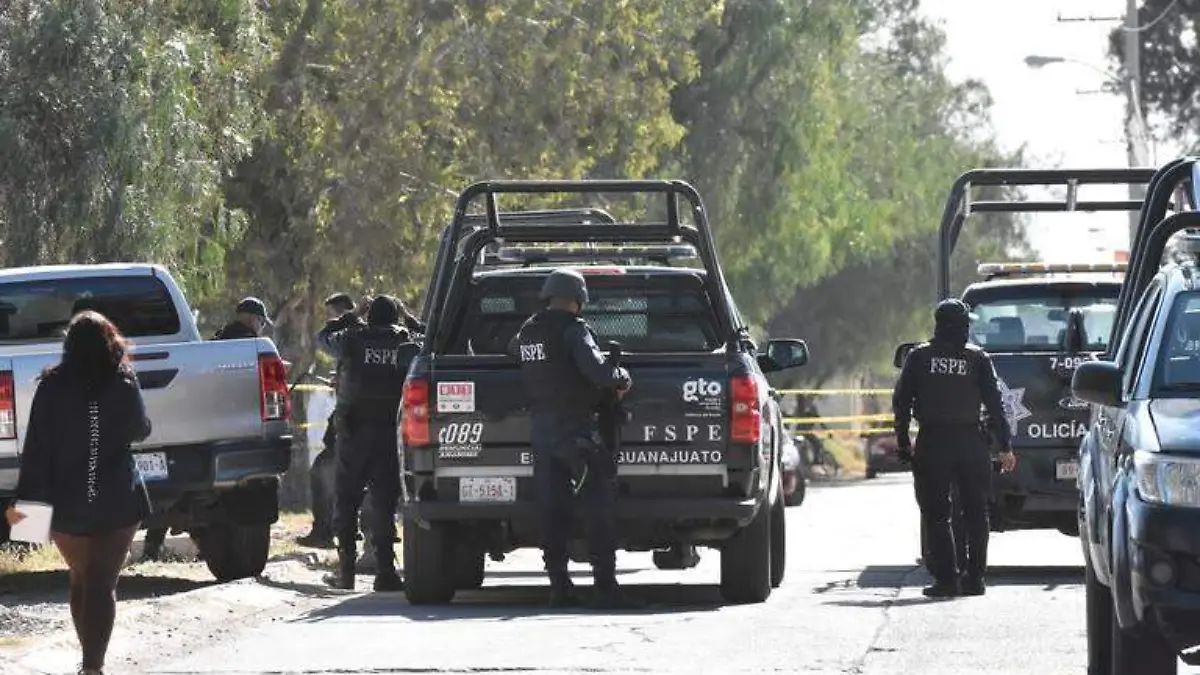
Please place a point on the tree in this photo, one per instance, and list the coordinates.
(1169, 79)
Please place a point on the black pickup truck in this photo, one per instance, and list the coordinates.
(1139, 510)
(699, 463)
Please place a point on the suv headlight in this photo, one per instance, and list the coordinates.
(1167, 479)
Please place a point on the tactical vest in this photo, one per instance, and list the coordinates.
(552, 379)
(375, 363)
(948, 383)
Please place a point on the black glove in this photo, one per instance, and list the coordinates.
(905, 453)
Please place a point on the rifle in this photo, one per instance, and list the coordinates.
(611, 416)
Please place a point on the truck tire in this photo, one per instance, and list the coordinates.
(1099, 624)
(797, 497)
(1141, 652)
(746, 561)
(234, 552)
(429, 578)
(778, 542)
(469, 568)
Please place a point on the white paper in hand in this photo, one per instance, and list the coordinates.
(35, 528)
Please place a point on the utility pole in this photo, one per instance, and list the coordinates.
(1135, 130)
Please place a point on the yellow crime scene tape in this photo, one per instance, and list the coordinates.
(312, 387)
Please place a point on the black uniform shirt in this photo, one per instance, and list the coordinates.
(946, 384)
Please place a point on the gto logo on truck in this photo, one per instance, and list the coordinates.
(706, 394)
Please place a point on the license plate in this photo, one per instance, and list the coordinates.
(152, 465)
(1066, 469)
(491, 489)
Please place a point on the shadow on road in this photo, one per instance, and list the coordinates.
(909, 576)
(34, 587)
(515, 602)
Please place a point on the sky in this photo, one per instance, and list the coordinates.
(1049, 110)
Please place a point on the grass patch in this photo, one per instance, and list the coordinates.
(849, 454)
(14, 560)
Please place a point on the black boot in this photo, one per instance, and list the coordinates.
(388, 581)
(344, 577)
(562, 591)
(942, 589)
(973, 585)
(607, 593)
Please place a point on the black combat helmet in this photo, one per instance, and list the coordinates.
(383, 311)
(952, 320)
(565, 283)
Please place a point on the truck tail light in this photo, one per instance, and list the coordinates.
(8, 407)
(746, 418)
(273, 386)
(414, 420)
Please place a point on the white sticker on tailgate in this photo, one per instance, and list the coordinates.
(456, 397)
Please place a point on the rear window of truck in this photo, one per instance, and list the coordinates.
(1035, 319)
(645, 313)
(140, 306)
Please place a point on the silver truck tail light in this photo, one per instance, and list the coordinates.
(8, 407)
(273, 386)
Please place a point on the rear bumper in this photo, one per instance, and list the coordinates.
(736, 511)
(1032, 495)
(217, 466)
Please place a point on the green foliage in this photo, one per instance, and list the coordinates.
(294, 148)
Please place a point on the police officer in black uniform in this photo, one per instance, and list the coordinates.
(566, 376)
(945, 383)
(373, 362)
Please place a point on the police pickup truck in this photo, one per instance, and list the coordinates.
(699, 462)
(1140, 457)
(220, 410)
(1039, 322)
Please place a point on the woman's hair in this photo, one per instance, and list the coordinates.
(93, 351)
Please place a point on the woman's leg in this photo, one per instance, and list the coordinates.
(74, 550)
(107, 555)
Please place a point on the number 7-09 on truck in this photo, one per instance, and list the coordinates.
(699, 456)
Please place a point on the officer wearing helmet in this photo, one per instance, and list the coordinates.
(566, 376)
(945, 383)
(373, 360)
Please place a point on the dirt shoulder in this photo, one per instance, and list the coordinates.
(167, 609)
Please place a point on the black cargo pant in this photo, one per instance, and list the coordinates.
(367, 455)
(953, 458)
(559, 453)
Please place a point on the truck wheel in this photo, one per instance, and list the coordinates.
(234, 552)
(469, 568)
(746, 561)
(1099, 624)
(797, 497)
(1141, 652)
(778, 542)
(429, 578)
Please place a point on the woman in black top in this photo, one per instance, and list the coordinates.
(85, 414)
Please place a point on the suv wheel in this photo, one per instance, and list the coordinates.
(1141, 652)
(1099, 624)
(746, 561)
(778, 542)
(234, 552)
(429, 578)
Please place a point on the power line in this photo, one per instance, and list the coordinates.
(1154, 22)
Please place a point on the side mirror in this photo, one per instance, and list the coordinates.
(902, 353)
(783, 354)
(1098, 382)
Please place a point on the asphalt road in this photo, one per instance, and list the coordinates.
(850, 603)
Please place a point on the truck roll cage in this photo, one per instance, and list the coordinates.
(960, 204)
(475, 231)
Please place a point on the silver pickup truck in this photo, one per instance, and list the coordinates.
(220, 410)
